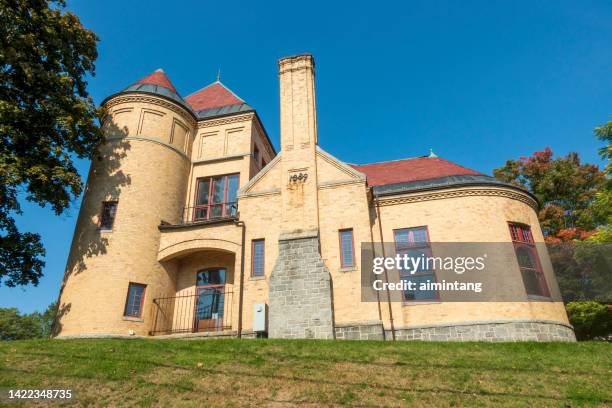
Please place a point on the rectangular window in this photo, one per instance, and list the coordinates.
(258, 255)
(528, 260)
(135, 300)
(216, 197)
(256, 154)
(347, 250)
(415, 243)
(107, 216)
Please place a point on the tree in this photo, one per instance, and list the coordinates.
(603, 200)
(604, 133)
(46, 119)
(15, 326)
(565, 188)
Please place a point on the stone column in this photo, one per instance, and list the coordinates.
(300, 290)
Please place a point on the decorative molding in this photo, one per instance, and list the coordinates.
(149, 139)
(294, 69)
(338, 183)
(183, 246)
(121, 110)
(274, 191)
(221, 158)
(226, 120)
(135, 98)
(464, 192)
(143, 114)
(175, 123)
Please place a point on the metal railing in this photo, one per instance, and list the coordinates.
(211, 213)
(208, 309)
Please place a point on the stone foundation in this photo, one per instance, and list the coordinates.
(300, 290)
(363, 331)
(527, 330)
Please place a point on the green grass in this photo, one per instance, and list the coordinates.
(290, 373)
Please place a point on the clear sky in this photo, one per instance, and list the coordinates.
(479, 82)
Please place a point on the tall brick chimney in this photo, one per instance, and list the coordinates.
(300, 284)
(298, 143)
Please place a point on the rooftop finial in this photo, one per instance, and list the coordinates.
(432, 154)
(159, 70)
(219, 75)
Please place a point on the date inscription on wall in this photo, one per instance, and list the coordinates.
(298, 177)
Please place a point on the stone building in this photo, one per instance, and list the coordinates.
(193, 225)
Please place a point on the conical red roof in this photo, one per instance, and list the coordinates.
(158, 78)
(212, 96)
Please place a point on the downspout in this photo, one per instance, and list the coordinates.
(382, 244)
(373, 246)
(241, 290)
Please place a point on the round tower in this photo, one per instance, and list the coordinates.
(138, 181)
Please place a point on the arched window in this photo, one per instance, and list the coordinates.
(527, 257)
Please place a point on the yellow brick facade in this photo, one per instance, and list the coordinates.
(157, 149)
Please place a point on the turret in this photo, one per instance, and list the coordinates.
(139, 179)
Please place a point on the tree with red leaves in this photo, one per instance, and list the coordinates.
(565, 188)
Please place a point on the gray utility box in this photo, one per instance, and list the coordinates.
(260, 317)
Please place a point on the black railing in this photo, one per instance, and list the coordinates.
(208, 309)
(211, 213)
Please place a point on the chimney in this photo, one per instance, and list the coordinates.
(298, 143)
(298, 107)
(299, 264)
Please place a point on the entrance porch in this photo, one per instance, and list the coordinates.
(205, 301)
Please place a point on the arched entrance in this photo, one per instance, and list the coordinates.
(203, 300)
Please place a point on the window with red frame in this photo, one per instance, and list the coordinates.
(135, 300)
(216, 197)
(528, 260)
(347, 249)
(414, 242)
(107, 215)
(258, 254)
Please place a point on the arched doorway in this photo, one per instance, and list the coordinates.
(210, 299)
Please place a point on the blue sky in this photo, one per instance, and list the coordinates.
(478, 81)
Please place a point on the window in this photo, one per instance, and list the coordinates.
(347, 250)
(527, 257)
(258, 255)
(414, 242)
(210, 301)
(216, 197)
(135, 300)
(256, 154)
(107, 216)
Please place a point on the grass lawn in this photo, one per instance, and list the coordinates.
(304, 372)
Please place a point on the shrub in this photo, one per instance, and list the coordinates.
(591, 320)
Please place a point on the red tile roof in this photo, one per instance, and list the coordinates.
(214, 95)
(407, 170)
(158, 78)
